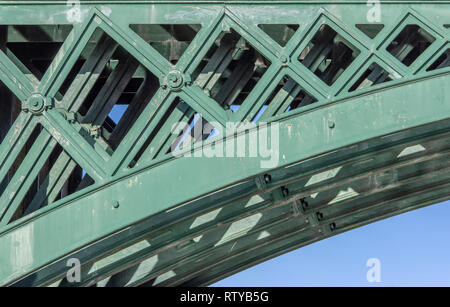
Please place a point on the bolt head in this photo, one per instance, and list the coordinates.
(36, 103)
(71, 117)
(331, 124)
(174, 80)
(304, 203)
(95, 131)
(115, 204)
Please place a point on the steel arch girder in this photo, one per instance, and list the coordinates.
(48, 235)
(422, 174)
(165, 227)
(174, 232)
(138, 252)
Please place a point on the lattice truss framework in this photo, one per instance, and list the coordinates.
(64, 79)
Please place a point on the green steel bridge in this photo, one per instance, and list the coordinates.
(359, 91)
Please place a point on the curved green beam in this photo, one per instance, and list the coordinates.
(46, 236)
(172, 228)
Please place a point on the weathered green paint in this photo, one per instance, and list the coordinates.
(349, 155)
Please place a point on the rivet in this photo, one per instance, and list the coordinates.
(267, 178)
(304, 203)
(332, 226)
(285, 191)
(319, 216)
(115, 204)
(331, 124)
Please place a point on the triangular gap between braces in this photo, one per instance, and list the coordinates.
(280, 33)
(371, 30)
(169, 40)
(33, 47)
(441, 62)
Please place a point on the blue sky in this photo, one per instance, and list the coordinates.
(413, 248)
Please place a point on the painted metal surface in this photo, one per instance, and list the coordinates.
(361, 108)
